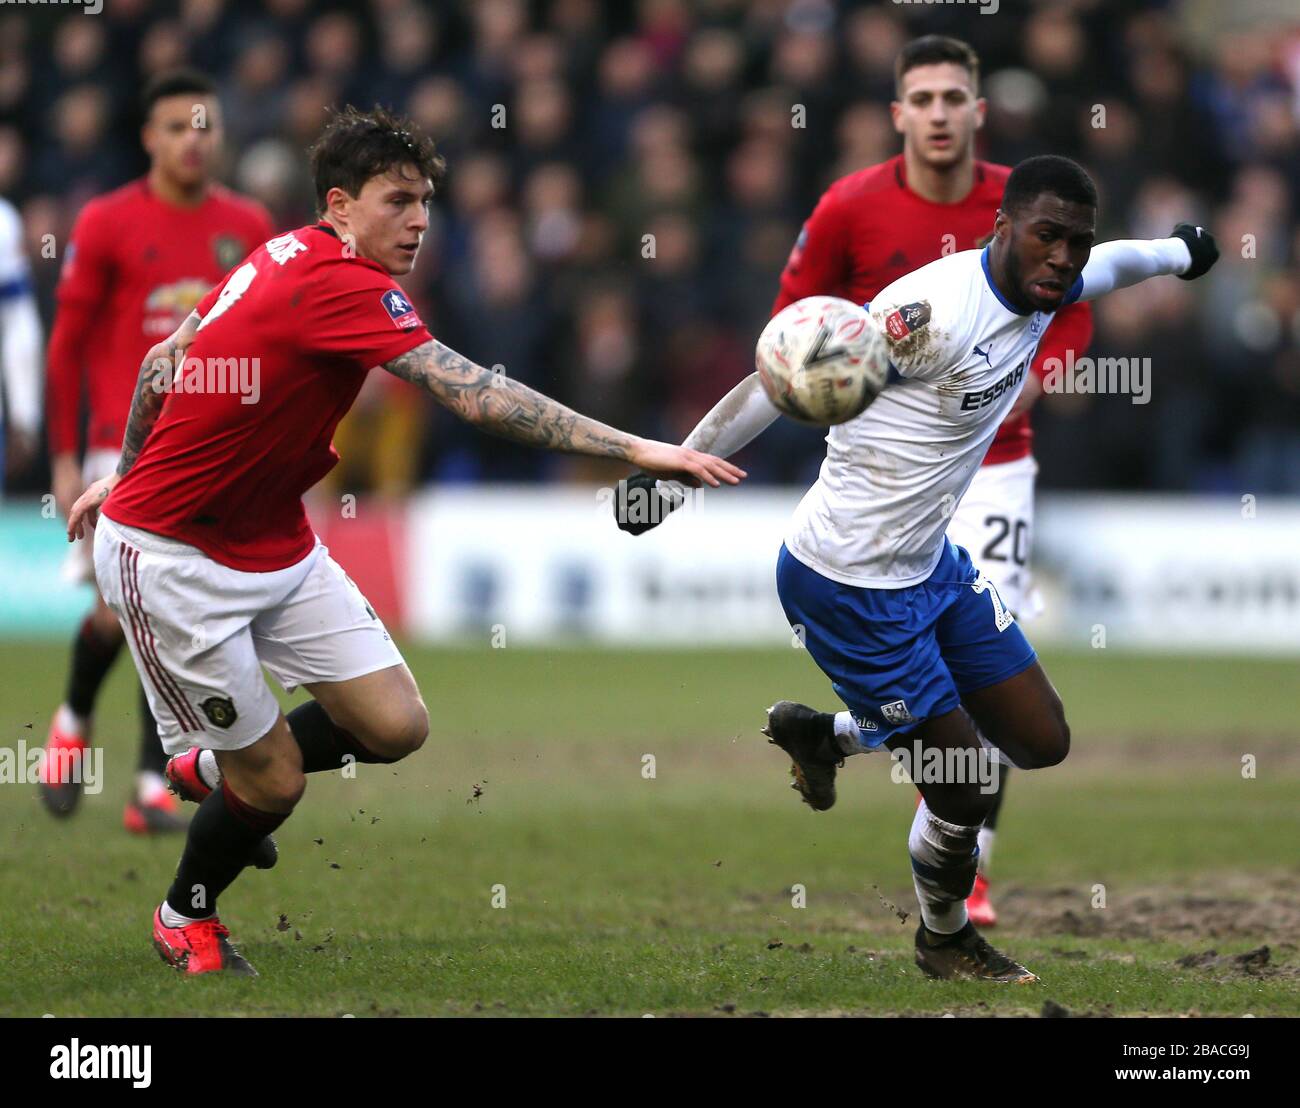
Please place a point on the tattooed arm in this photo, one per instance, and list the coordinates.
(150, 392)
(512, 410)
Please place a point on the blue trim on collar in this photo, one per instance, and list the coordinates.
(984, 264)
(1076, 291)
(19, 286)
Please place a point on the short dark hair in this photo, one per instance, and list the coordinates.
(1048, 173)
(175, 82)
(357, 145)
(936, 50)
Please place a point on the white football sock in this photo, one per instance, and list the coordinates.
(148, 786)
(943, 869)
(848, 735)
(986, 837)
(208, 770)
(171, 918)
(67, 721)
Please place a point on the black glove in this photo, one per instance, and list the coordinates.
(1202, 247)
(639, 505)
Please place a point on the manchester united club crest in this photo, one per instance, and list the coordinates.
(220, 711)
(228, 250)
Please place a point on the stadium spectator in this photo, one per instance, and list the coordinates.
(574, 129)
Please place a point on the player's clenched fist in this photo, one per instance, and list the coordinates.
(1201, 246)
(639, 506)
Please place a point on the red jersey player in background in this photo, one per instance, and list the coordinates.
(874, 226)
(140, 259)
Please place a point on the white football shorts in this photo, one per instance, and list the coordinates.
(200, 633)
(79, 565)
(995, 523)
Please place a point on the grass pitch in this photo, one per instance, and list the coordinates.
(524, 862)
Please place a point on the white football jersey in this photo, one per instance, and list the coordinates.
(13, 261)
(893, 475)
(20, 328)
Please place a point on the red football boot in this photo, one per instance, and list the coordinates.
(199, 947)
(58, 773)
(978, 905)
(159, 815)
(182, 776)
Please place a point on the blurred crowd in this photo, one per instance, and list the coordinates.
(627, 179)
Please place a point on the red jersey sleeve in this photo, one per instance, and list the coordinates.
(83, 286)
(1070, 330)
(366, 319)
(819, 262)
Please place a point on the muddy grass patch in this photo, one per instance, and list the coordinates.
(1264, 908)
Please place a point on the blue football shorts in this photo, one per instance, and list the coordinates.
(898, 657)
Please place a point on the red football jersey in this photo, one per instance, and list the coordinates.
(135, 267)
(285, 344)
(869, 229)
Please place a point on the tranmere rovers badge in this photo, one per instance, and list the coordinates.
(896, 712)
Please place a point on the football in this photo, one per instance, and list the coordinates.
(822, 360)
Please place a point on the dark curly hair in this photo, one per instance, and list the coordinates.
(1047, 173)
(357, 145)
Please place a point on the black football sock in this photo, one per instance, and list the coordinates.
(152, 758)
(324, 744)
(220, 838)
(92, 657)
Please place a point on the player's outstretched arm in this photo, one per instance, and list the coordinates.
(730, 425)
(150, 392)
(496, 403)
(150, 389)
(1188, 253)
(734, 421)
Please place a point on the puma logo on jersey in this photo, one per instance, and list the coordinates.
(973, 401)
